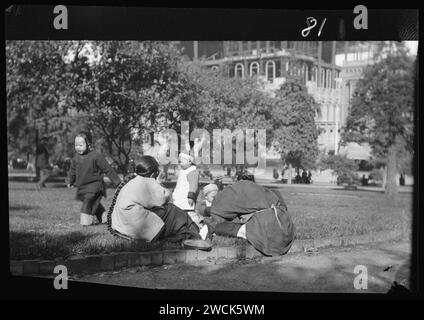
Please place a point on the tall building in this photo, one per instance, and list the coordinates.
(329, 69)
(274, 61)
(354, 57)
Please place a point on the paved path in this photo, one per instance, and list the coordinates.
(329, 270)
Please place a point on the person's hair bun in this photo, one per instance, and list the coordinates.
(147, 166)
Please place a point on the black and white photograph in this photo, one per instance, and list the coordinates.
(277, 165)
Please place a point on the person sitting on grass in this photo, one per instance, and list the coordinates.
(250, 211)
(140, 209)
(205, 198)
(86, 173)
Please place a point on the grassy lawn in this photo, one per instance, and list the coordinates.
(45, 224)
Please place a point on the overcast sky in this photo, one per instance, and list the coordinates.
(412, 45)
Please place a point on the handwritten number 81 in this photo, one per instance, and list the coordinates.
(311, 23)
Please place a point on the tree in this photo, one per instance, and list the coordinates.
(229, 103)
(382, 109)
(37, 82)
(134, 88)
(342, 166)
(295, 133)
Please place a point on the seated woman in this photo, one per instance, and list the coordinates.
(140, 209)
(250, 211)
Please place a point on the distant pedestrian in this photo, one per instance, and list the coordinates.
(42, 163)
(297, 178)
(275, 173)
(402, 179)
(364, 180)
(86, 173)
(229, 171)
(304, 177)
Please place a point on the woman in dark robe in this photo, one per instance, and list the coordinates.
(248, 210)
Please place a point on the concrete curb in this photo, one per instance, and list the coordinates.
(117, 261)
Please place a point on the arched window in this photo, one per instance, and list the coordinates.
(328, 79)
(314, 73)
(322, 78)
(295, 70)
(270, 70)
(335, 76)
(239, 70)
(299, 71)
(254, 69)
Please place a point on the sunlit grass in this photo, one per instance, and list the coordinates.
(45, 224)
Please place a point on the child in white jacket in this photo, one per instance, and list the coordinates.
(186, 190)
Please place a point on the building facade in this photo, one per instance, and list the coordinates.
(329, 69)
(354, 57)
(312, 62)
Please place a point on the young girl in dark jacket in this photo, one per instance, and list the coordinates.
(86, 173)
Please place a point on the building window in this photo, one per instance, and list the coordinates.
(239, 70)
(328, 79)
(336, 76)
(270, 70)
(254, 69)
(314, 72)
(233, 46)
(294, 71)
(322, 78)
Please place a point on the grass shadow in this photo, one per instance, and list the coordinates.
(47, 245)
(358, 190)
(57, 185)
(36, 245)
(22, 207)
(21, 179)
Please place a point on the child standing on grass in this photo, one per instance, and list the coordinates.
(86, 173)
(186, 189)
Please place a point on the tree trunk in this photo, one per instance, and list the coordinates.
(384, 176)
(37, 170)
(289, 178)
(391, 188)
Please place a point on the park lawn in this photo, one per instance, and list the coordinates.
(45, 224)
